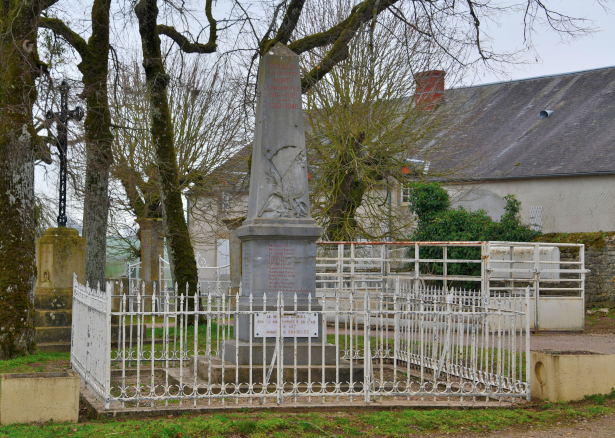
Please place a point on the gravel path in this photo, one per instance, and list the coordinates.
(603, 427)
(602, 343)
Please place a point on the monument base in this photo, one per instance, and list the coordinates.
(52, 319)
(242, 355)
(60, 254)
(305, 373)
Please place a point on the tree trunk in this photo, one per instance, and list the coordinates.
(347, 195)
(19, 67)
(181, 253)
(99, 140)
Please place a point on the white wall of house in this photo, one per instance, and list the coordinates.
(210, 236)
(569, 204)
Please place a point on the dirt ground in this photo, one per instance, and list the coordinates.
(603, 427)
(599, 322)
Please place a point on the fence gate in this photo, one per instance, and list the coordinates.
(555, 273)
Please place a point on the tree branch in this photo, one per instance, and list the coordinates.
(188, 46)
(477, 28)
(184, 43)
(359, 15)
(130, 180)
(271, 25)
(60, 28)
(45, 4)
(293, 12)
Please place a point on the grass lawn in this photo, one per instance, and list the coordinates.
(398, 423)
(36, 363)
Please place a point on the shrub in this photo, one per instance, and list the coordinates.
(437, 221)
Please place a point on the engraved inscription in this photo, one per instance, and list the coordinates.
(283, 85)
(247, 267)
(282, 265)
(281, 272)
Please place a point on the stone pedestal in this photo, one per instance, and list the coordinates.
(152, 248)
(60, 253)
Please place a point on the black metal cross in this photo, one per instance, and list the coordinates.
(61, 120)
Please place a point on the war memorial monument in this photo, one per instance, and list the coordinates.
(279, 235)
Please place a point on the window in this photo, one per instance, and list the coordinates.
(225, 204)
(405, 193)
(223, 253)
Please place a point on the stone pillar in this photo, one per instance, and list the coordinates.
(59, 254)
(152, 247)
(235, 253)
(279, 235)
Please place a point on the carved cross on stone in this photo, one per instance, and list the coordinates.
(61, 120)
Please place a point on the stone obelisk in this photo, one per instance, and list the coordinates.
(279, 235)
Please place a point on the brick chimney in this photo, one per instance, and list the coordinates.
(429, 89)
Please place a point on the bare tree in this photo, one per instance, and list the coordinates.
(366, 131)
(206, 120)
(181, 253)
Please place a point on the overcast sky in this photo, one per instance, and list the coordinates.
(593, 51)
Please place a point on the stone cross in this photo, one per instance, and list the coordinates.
(61, 120)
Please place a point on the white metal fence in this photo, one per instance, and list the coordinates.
(213, 279)
(417, 343)
(91, 337)
(134, 272)
(554, 272)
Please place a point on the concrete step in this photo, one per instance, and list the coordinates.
(52, 318)
(342, 374)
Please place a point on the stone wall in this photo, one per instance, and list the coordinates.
(599, 259)
(600, 283)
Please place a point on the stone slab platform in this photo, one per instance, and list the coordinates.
(243, 355)
(242, 373)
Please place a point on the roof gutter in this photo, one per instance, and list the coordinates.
(505, 178)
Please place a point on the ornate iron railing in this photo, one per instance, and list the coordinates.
(415, 343)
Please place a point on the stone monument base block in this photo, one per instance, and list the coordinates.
(305, 373)
(239, 352)
(60, 254)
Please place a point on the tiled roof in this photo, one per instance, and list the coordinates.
(500, 123)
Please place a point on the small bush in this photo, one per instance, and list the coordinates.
(437, 221)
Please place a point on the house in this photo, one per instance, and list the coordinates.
(550, 141)
(215, 206)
